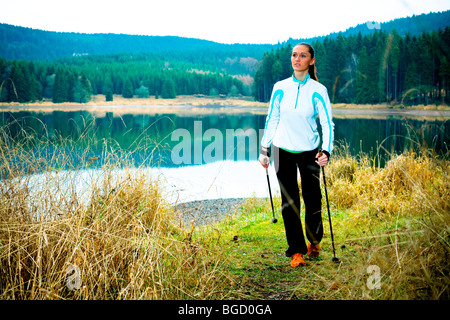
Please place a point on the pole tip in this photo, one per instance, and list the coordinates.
(274, 220)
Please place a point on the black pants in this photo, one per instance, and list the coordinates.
(286, 164)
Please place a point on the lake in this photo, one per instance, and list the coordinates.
(206, 155)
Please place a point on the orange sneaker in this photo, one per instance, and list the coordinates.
(313, 250)
(297, 259)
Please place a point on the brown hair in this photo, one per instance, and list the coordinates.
(312, 68)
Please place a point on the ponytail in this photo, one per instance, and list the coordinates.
(312, 68)
(312, 72)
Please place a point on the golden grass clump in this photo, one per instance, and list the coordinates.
(412, 258)
(116, 241)
(397, 220)
(409, 183)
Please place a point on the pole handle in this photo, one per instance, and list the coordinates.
(320, 152)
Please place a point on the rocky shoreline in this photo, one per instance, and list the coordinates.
(204, 212)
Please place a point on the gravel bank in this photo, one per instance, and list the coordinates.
(204, 212)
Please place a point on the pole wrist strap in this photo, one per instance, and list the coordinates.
(265, 153)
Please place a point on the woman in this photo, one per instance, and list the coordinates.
(292, 129)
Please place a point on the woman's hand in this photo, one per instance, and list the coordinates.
(321, 159)
(264, 159)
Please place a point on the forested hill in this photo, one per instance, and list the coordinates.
(30, 44)
(404, 62)
(414, 26)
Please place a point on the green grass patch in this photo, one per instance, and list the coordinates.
(254, 260)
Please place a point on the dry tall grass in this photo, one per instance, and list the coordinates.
(410, 199)
(119, 242)
(410, 183)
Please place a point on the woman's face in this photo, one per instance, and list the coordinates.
(301, 58)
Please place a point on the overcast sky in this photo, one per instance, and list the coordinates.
(230, 21)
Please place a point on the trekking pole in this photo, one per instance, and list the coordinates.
(334, 259)
(274, 220)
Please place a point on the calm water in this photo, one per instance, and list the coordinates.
(169, 140)
(210, 156)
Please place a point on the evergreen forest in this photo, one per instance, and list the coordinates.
(376, 68)
(76, 79)
(402, 62)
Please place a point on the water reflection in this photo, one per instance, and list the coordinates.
(169, 140)
(194, 156)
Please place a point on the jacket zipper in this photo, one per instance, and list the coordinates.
(296, 100)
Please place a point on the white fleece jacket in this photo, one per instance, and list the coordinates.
(291, 120)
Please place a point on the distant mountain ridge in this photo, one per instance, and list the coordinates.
(414, 25)
(31, 44)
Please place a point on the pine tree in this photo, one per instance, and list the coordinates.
(444, 72)
(35, 89)
(364, 91)
(72, 88)
(277, 70)
(35, 86)
(83, 89)
(109, 94)
(127, 90)
(60, 89)
(168, 90)
(411, 93)
(394, 60)
(20, 85)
